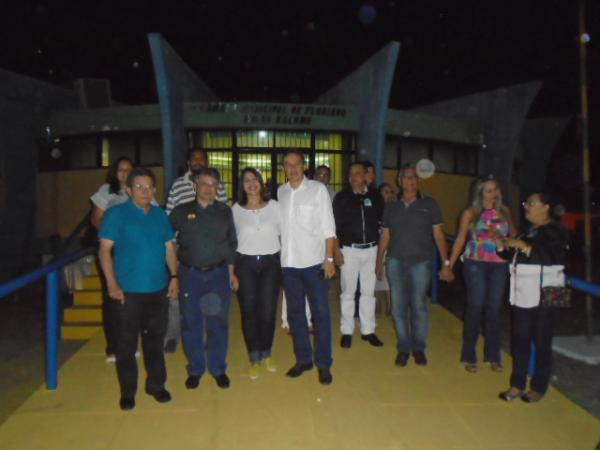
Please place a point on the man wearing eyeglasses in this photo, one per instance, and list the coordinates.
(182, 191)
(207, 243)
(141, 238)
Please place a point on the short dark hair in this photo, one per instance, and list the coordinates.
(293, 151)
(368, 164)
(242, 196)
(193, 150)
(207, 172)
(404, 168)
(555, 210)
(357, 163)
(323, 166)
(111, 176)
(140, 172)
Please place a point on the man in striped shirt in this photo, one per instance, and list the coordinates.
(183, 190)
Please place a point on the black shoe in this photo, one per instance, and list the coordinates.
(192, 382)
(346, 341)
(402, 359)
(127, 403)
(162, 396)
(420, 358)
(325, 376)
(299, 369)
(171, 346)
(222, 381)
(372, 339)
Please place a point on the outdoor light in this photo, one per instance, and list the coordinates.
(262, 134)
(585, 38)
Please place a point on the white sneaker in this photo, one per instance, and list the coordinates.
(111, 359)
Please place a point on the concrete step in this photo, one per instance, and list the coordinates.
(91, 282)
(95, 269)
(87, 298)
(79, 331)
(86, 313)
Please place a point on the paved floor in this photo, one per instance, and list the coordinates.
(371, 405)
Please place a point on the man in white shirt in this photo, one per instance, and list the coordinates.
(307, 245)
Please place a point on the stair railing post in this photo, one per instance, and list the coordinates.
(52, 309)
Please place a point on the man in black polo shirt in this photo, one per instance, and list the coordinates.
(207, 243)
(410, 225)
(358, 211)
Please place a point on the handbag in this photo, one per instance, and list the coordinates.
(554, 296)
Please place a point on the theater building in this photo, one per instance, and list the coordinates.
(58, 143)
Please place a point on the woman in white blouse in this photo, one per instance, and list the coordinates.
(258, 226)
(111, 193)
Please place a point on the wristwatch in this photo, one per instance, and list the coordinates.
(446, 263)
(330, 259)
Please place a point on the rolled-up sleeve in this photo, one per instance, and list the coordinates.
(326, 213)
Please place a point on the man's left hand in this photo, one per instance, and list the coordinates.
(173, 290)
(234, 282)
(328, 269)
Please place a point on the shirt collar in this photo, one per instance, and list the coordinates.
(303, 184)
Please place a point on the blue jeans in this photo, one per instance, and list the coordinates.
(309, 283)
(408, 285)
(204, 301)
(486, 284)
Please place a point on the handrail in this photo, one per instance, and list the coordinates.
(51, 271)
(584, 286)
(66, 245)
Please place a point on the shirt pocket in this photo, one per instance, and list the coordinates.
(306, 217)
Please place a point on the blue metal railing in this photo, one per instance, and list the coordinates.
(52, 274)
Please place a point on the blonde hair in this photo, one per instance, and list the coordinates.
(477, 199)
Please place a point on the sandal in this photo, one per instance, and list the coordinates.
(496, 367)
(532, 397)
(512, 394)
(471, 368)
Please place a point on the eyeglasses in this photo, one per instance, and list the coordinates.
(143, 187)
(531, 203)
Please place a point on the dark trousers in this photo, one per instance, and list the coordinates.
(260, 282)
(308, 283)
(204, 299)
(110, 317)
(486, 284)
(144, 314)
(532, 325)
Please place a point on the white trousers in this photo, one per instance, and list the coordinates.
(358, 264)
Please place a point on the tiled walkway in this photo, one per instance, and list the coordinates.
(371, 405)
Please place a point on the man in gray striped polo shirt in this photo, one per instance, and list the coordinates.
(182, 191)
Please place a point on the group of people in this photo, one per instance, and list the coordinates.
(171, 273)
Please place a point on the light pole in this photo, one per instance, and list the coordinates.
(585, 148)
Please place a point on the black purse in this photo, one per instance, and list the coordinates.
(554, 296)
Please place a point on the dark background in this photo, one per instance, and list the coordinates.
(284, 51)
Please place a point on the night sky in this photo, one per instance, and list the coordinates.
(287, 51)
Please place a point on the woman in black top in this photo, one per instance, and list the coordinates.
(545, 244)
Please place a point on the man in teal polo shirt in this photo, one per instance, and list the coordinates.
(136, 246)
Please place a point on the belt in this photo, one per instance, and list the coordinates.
(209, 268)
(362, 246)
